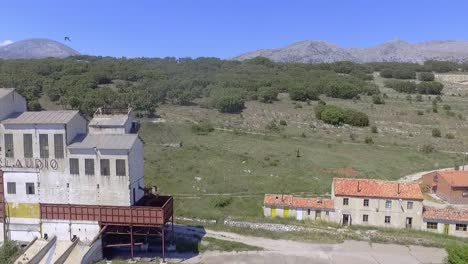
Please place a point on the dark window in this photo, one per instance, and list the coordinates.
(89, 166)
(409, 205)
(74, 167)
(431, 225)
(44, 146)
(30, 188)
(387, 219)
(460, 227)
(366, 202)
(58, 146)
(11, 187)
(105, 167)
(327, 213)
(308, 211)
(388, 204)
(9, 150)
(120, 167)
(345, 201)
(365, 218)
(27, 144)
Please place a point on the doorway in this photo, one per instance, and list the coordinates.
(409, 222)
(346, 219)
(318, 214)
(446, 229)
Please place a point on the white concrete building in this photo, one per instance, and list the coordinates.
(377, 203)
(49, 157)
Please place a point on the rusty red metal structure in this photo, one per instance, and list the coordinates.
(147, 218)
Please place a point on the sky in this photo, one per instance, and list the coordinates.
(225, 28)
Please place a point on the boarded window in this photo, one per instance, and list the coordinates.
(11, 187)
(120, 167)
(431, 225)
(387, 219)
(9, 150)
(30, 188)
(44, 146)
(27, 144)
(388, 204)
(74, 167)
(105, 167)
(58, 146)
(409, 205)
(89, 166)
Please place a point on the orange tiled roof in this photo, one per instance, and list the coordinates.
(455, 178)
(445, 214)
(278, 199)
(297, 202)
(376, 188)
(309, 202)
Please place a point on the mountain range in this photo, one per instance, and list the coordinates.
(313, 51)
(36, 49)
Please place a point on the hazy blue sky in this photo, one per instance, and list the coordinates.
(220, 28)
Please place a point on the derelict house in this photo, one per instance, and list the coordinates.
(64, 179)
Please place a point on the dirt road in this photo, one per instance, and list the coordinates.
(286, 251)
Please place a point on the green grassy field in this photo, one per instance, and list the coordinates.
(245, 166)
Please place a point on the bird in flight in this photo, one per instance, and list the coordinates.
(67, 38)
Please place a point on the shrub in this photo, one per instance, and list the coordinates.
(427, 148)
(376, 99)
(222, 202)
(335, 115)
(356, 118)
(401, 86)
(229, 103)
(420, 112)
(457, 253)
(436, 132)
(386, 73)
(426, 76)
(8, 252)
(419, 98)
(283, 122)
(298, 93)
(374, 129)
(272, 126)
(202, 128)
(429, 87)
(267, 94)
(409, 98)
(447, 107)
(404, 74)
(331, 114)
(369, 140)
(450, 136)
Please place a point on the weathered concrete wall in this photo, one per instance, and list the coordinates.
(441, 229)
(58, 228)
(377, 211)
(136, 171)
(11, 103)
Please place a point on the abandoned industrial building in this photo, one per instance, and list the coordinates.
(371, 202)
(82, 184)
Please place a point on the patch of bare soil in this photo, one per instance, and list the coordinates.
(347, 172)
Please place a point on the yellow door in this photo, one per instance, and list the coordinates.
(446, 229)
(286, 211)
(273, 211)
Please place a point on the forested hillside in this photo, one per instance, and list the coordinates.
(85, 82)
